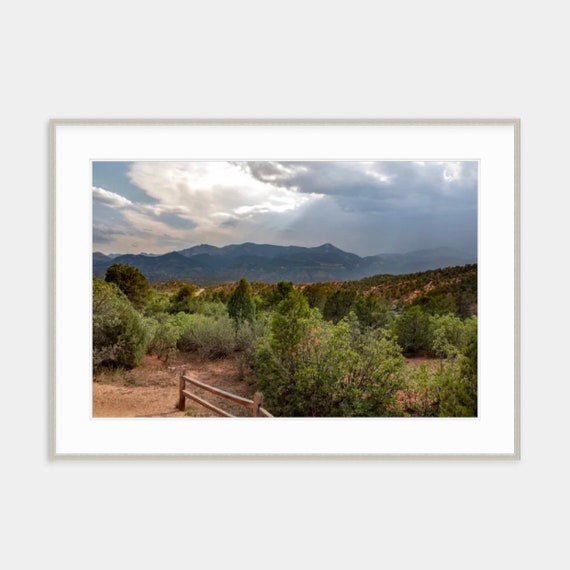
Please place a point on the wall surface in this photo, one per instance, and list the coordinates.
(262, 59)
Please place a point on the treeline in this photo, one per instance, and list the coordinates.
(314, 350)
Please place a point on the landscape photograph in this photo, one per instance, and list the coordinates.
(284, 288)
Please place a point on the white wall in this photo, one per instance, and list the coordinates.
(294, 59)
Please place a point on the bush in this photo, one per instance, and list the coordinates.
(413, 330)
(184, 300)
(316, 294)
(447, 336)
(451, 390)
(458, 393)
(274, 294)
(372, 311)
(120, 335)
(460, 398)
(339, 304)
(368, 368)
(165, 335)
(157, 305)
(211, 337)
(421, 396)
(212, 309)
(306, 366)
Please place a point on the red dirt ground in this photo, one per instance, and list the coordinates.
(151, 390)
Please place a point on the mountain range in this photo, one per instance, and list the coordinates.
(209, 265)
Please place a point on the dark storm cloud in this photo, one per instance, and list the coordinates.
(374, 186)
(378, 207)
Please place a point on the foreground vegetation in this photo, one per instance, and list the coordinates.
(325, 349)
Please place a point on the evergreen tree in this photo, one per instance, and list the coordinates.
(241, 304)
(131, 282)
(372, 311)
(338, 305)
(413, 330)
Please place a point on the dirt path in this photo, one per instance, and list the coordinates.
(151, 390)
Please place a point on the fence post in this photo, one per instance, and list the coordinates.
(257, 403)
(181, 396)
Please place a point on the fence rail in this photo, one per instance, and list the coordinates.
(184, 393)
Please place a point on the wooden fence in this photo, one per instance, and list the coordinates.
(254, 405)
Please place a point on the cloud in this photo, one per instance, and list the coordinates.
(102, 235)
(213, 193)
(373, 185)
(367, 207)
(110, 198)
(118, 221)
(374, 207)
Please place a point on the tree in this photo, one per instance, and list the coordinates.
(460, 395)
(131, 282)
(372, 311)
(289, 325)
(184, 300)
(367, 367)
(338, 305)
(307, 366)
(241, 304)
(437, 303)
(413, 331)
(447, 336)
(316, 294)
(290, 346)
(277, 293)
(119, 334)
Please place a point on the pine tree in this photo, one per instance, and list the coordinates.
(241, 304)
(131, 282)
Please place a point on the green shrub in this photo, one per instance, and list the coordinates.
(214, 309)
(120, 336)
(448, 335)
(372, 311)
(211, 337)
(367, 367)
(420, 398)
(184, 300)
(339, 304)
(461, 396)
(451, 389)
(458, 393)
(413, 330)
(316, 295)
(164, 340)
(306, 366)
(158, 304)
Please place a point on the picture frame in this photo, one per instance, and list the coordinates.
(493, 434)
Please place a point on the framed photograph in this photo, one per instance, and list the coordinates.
(285, 288)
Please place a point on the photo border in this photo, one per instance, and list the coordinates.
(55, 123)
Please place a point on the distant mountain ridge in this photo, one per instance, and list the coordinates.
(209, 265)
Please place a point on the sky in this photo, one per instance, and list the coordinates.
(365, 208)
